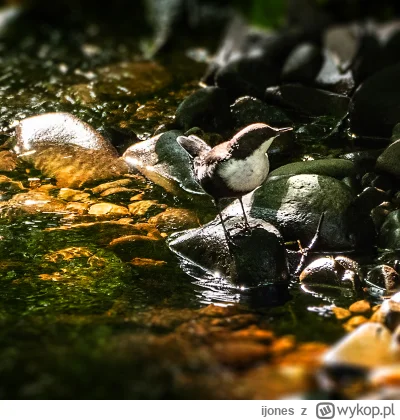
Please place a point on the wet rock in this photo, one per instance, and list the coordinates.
(388, 161)
(77, 208)
(101, 209)
(134, 182)
(64, 147)
(364, 159)
(8, 187)
(8, 161)
(162, 160)
(295, 203)
(308, 100)
(354, 322)
(336, 168)
(383, 277)
(332, 78)
(32, 202)
(382, 182)
(370, 198)
(104, 232)
(139, 246)
(61, 129)
(389, 235)
(377, 116)
(173, 219)
(207, 248)
(146, 208)
(207, 108)
(341, 314)
(389, 312)
(240, 353)
(303, 64)
(366, 347)
(342, 41)
(326, 272)
(69, 194)
(130, 79)
(361, 307)
(248, 110)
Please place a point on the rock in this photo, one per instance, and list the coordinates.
(366, 347)
(32, 202)
(207, 108)
(364, 159)
(8, 187)
(240, 353)
(336, 168)
(295, 204)
(308, 100)
(8, 161)
(146, 208)
(389, 312)
(354, 322)
(64, 147)
(389, 235)
(387, 376)
(257, 258)
(342, 41)
(303, 64)
(69, 194)
(361, 307)
(383, 277)
(173, 219)
(341, 314)
(248, 110)
(135, 181)
(162, 160)
(139, 246)
(370, 198)
(127, 80)
(101, 209)
(325, 273)
(332, 78)
(61, 129)
(377, 116)
(388, 161)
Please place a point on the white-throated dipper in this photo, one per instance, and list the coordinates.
(233, 168)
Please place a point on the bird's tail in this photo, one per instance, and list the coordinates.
(194, 145)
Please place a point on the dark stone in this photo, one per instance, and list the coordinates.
(336, 168)
(165, 162)
(364, 159)
(384, 277)
(295, 203)
(207, 108)
(390, 311)
(308, 100)
(369, 198)
(256, 258)
(247, 110)
(375, 107)
(389, 236)
(389, 160)
(303, 64)
(332, 79)
(326, 272)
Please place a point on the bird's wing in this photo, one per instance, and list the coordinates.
(194, 145)
(218, 154)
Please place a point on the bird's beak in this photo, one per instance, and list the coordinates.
(285, 129)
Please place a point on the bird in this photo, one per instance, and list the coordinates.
(235, 167)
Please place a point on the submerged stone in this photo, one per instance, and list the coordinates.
(388, 161)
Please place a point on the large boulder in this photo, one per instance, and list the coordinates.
(294, 204)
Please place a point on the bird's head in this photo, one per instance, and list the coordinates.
(195, 146)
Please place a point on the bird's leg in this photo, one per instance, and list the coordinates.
(246, 222)
(227, 236)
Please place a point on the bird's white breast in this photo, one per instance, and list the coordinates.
(247, 174)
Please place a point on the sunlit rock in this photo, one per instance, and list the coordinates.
(162, 160)
(146, 208)
(366, 347)
(173, 219)
(8, 161)
(101, 209)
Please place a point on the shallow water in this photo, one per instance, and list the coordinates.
(79, 319)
